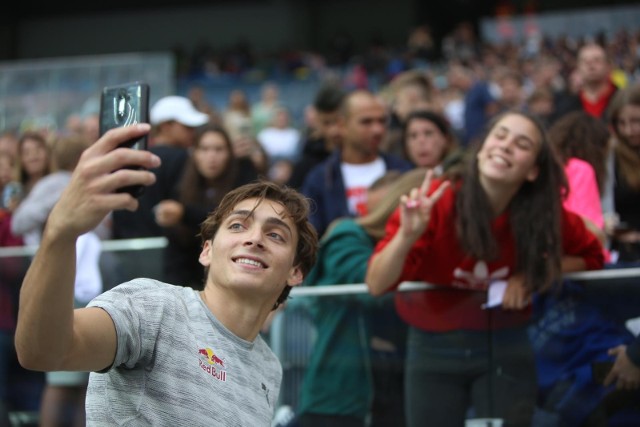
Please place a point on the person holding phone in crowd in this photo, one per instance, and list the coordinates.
(161, 354)
(499, 223)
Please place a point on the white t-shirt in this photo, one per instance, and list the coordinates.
(88, 283)
(280, 143)
(357, 179)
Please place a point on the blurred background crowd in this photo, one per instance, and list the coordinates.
(229, 114)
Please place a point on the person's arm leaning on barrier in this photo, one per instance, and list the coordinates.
(50, 334)
(415, 211)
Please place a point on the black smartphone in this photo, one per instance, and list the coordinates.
(125, 105)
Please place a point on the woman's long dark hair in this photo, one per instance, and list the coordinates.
(580, 135)
(193, 186)
(196, 190)
(534, 211)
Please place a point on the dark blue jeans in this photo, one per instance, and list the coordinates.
(490, 373)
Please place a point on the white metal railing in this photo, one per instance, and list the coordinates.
(148, 243)
(329, 290)
(107, 246)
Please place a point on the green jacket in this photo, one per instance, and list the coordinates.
(338, 378)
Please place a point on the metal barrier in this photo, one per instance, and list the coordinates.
(359, 288)
(292, 332)
(107, 246)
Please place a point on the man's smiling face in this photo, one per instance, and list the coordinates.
(253, 250)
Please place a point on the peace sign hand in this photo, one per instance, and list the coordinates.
(415, 208)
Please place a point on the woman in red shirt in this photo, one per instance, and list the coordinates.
(500, 224)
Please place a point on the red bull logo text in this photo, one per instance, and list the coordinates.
(210, 367)
(211, 370)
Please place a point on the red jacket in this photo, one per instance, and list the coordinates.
(437, 258)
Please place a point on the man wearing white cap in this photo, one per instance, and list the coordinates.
(174, 120)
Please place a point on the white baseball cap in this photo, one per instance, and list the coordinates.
(177, 108)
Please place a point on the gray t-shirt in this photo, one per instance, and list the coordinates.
(177, 365)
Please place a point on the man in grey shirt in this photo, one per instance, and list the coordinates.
(161, 354)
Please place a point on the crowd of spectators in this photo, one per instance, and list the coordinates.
(430, 105)
(381, 61)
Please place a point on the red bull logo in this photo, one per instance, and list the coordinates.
(212, 359)
(210, 366)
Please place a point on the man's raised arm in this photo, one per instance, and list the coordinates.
(50, 334)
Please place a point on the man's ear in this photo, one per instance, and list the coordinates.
(295, 276)
(205, 254)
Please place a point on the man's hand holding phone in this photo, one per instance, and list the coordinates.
(104, 167)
